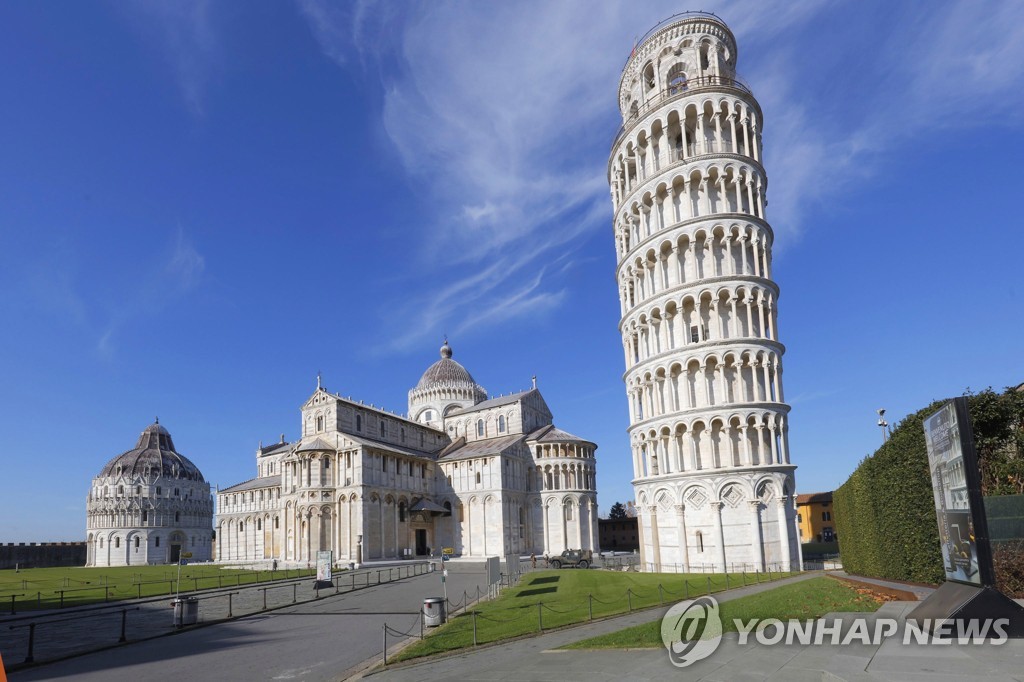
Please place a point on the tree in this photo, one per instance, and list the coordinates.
(617, 511)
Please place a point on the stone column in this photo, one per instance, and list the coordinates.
(642, 539)
(655, 543)
(748, 459)
(775, 445)
(684, 551)
(546, 524)
(783, 503)
(584, 525)
(716, 513)
(755, 533)
(565, 528)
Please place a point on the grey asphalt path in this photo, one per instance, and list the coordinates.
(79, 630)
(321, 640)
(539, 659)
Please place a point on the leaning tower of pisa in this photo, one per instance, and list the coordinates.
(708, 423)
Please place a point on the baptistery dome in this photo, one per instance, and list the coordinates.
(154, 454)
(445, 387)
(149, 505)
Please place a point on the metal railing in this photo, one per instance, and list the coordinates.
(675, 18)
(153, 619)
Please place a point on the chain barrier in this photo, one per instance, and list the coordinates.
(575, 608)
(503, 621)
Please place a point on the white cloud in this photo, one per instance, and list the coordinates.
(504, 113)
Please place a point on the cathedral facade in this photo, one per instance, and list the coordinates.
(709, 427)
(483, 476)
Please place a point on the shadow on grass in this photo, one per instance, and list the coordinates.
(544, 580)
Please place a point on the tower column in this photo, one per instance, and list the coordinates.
(755, 533)
(681, 532)
(784, 529)
(655, 543)
(716, 513)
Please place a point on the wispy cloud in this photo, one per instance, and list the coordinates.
(504, 113)
(180, 273)
(186, 33)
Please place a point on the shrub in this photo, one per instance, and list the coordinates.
(885, 511)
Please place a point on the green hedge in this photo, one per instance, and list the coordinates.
(885, 512)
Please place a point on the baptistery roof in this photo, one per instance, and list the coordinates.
(154, 455)
(445, 373)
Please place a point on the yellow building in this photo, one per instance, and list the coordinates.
(814, 513)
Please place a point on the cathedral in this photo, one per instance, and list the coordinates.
(483, 476)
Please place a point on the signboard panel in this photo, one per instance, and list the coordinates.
(953, 463)
(323, 566)
(448, 551)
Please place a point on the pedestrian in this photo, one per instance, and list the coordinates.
(533, 560)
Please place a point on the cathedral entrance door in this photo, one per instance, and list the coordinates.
(175, 553)
(421, 541)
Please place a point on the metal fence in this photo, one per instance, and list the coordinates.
(27, 639)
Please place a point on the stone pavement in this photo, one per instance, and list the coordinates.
(325, 639)
(75, 630)
(538, 658)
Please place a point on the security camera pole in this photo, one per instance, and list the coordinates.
(884, 424)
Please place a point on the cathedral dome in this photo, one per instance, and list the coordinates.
(445, 373)
(153, 455)
(445, 387)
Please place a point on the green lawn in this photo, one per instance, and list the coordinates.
(552, 599)
(807, 599)
(35, 588)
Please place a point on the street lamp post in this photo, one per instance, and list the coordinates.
(883, 424)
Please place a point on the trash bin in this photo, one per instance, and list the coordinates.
(186, 611)
(433, 611)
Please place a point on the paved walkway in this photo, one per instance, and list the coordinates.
(66, 632)
(325, 639)
(538, 658)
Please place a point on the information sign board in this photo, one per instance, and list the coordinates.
(953, 462)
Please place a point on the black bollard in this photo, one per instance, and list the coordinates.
(29, 658)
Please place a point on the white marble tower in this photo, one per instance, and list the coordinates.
(708, 425)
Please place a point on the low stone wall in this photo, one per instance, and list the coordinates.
(42, 554)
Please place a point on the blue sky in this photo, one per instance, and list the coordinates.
(204, 204)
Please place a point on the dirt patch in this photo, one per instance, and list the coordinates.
(878, 592)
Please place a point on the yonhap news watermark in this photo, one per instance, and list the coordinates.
(692, 630)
